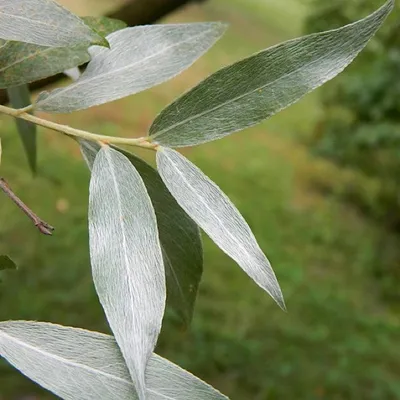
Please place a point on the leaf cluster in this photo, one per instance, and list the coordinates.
(144, 224)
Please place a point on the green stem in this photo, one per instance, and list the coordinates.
(67, 130)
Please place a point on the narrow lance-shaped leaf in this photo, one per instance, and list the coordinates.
(139, 58)
(179, 236)
(44, 22)
(126, 258)
(212, 210)
(20, 97)
(76, 364)
(25, 62)
(258, 87)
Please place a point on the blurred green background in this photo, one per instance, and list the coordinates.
(321, 206)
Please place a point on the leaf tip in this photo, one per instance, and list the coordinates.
(281, 303)
(275, 292)
(101, 41)
(223, 25)
(220, 27)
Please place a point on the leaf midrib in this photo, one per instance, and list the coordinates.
(75, 364)
(123, 229)
(63, 360)
(206, 205)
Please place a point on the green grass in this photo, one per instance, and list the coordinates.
(339, 340)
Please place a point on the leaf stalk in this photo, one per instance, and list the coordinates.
(143, 142)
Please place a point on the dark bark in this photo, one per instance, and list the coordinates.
(135, 12)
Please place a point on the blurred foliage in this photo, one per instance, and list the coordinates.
(360, 123)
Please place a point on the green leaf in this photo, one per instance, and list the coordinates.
(24, 62)
(140, 58)
(76, 364)
(258, 87)
(126, 258)
(104, 25)
(45, 23)
(20, 97)
(6, 263)
(179, 236)
(212, 210)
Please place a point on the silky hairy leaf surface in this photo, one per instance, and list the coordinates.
(212, 210)
(76, 364)
(179, 236)
(139, 58)
(44, 22)
(20, 97)
(6, 263)
(24, 62)
(258, 87)
(126, 258)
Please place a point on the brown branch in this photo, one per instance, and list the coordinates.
(43, 227)
(135, 12)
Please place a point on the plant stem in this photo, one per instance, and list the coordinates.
(139, 142)
(43, 227)
(24, 110)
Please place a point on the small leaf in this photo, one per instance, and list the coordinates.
(6, 263)
(44, 22)
(20, 97)
(125, 252)
(212, 210)
(179, 236)
(76, 364)
(24, 62)
(258, 87)
(139, 58)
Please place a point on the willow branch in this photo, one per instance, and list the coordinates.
(67, 130)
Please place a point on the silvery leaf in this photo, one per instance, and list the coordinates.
(44, 22)
(179, 235)
(126, 258)
(25, 62)
(258, 87)
(20, 97)
(76, 364)
(139, 58)
(212, 210)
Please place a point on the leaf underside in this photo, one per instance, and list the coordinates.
(126, 258)
(160, 53)
(179, 236)
(212, 210)
(45, 23)
(76, 364)
(22, 63)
